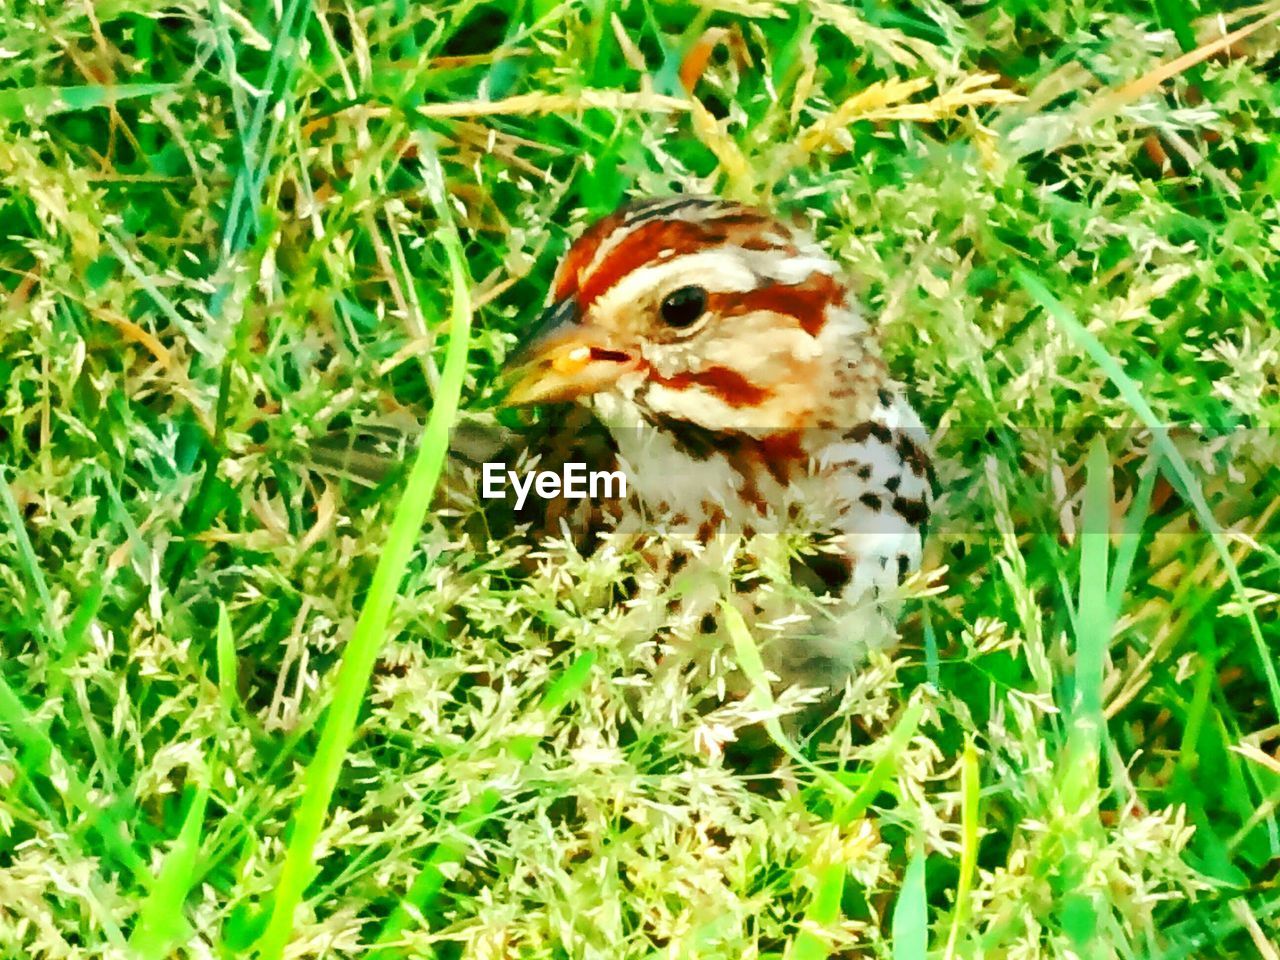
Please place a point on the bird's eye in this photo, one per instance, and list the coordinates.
(681, 307)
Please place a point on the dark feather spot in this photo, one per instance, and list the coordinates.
(871, 501)
(915, 512)
(823, 574)
(912, 455)
(870, 428)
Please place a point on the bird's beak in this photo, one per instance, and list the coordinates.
(563, 358)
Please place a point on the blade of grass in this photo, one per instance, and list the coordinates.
(884, 768)
(931, 662)
(161, 923)
(30, 565)
(1174, 15)
(1175, 466)
(44, 101)
(970, 781)
(53, 634)
(910, 926)
(361, 651)
(227, 670)
(201, 343)
(1127, 551)
(1112, 100)
(242, 216)
(41, 756)
(824, 911)
(1094, 613)
(93, 893)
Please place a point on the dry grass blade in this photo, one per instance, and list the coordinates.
(1112, 100)
(539, 103)
(889, 100)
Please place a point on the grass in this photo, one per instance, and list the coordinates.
(250, 706)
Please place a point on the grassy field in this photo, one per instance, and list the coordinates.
(251, 707)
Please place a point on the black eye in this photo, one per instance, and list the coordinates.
(682, 307)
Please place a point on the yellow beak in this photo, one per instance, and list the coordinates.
(563, 359)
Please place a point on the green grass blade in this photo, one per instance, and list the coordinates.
(362, 649)
(1093, 638)
(42, 757)
(823, 912)
(199, 341)
(45, 100)
(910, 924)
(30, 565)
(970, 783)
(161, 923)
(751, 664)
(228, 692)
(1177, 469)
(1127, 551)
(885, 767)
(51, 628)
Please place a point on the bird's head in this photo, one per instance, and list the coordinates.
(700, 311)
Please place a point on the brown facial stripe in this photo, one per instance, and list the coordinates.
(729, 385)
(783, 446)
(807, 301)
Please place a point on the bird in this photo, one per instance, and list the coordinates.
(738, 382)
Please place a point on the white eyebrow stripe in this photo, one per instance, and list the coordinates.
(719, 270)
(792, 269)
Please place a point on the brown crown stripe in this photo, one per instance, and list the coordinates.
(642, 245)
(729, 385)
(581, 253)
(646, 241)
(807, 301)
